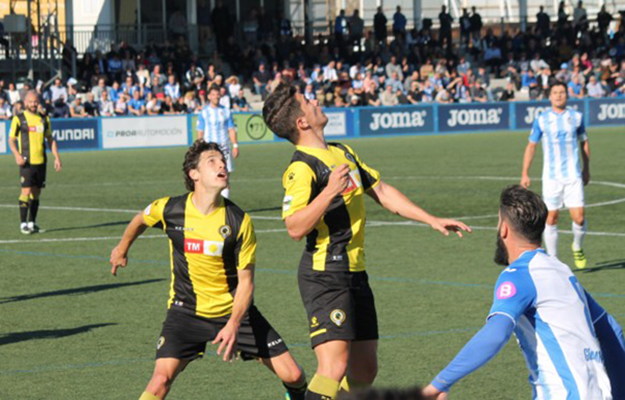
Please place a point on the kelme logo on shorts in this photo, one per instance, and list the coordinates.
(160, 342)
(338, 317)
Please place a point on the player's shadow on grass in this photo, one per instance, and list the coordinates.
(604, 265)
(77, 228)
(265, 209)
(17, 337)
(75, 291)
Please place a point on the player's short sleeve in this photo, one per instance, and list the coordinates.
(15, 127)
(246, 244)
(370, 177)
(582, 136)
(153, 213)
(297, 181)
(229, 121)
(537, 133)
(48, 132)
(200, 121)
(514, 293)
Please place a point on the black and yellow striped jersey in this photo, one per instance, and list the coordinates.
(31, 131)
(206, 252)
(337, 242)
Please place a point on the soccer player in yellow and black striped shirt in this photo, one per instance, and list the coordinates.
(324, 202)
(213, 252)
(29, 131)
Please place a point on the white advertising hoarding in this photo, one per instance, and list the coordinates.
(3, 138)
(125, 133)
(336, 124)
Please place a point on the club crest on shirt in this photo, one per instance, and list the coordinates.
(225, 231)
(338, 317)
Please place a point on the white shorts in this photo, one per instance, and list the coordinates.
(557, 194)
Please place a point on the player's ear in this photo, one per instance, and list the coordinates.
(302, 123)
(194, 174)
(504, 230)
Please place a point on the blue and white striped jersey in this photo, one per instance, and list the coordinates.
(215, 122)
(560, 134)
(553, 327)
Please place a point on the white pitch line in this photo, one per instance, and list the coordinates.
(113, 210)
(370, 224)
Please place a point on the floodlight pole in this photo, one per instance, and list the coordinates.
(417, 13)
(29, 49)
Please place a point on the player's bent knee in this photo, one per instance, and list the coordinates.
(364, 373)
(159, 384)
(334, 369)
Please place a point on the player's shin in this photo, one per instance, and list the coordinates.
(348, 384)
(24, 207)
(296, 391)
(34, 208)
(322, 388)
(551, 239)
(148, 396)
(579, 231)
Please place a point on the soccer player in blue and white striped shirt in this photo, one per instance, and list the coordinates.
(563, 134)
(573, 348)
(215, 124)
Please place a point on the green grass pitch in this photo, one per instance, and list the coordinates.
(69, 330)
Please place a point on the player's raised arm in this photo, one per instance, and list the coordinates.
(119, 255)
(397, 203)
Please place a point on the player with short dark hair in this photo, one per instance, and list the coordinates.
(213, 254)
(324, 202)
(215, 124)
(563, 133)
(573, 348)
(29, 132)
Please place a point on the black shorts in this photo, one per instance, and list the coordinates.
(340, 306)
(184, 336)
(33, 175)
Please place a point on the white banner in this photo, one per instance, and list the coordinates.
(3, 138)
(123, 133)
(336, 124)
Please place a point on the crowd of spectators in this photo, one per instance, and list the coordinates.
(352, 67)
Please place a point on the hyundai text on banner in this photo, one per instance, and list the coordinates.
(527, 111)
(607, 111)
(473, 117)
(75, 133)
(3, 138)
(396, 120)
(122, 133)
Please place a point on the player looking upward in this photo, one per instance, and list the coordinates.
(563, 133)
(324, 202)
(213, 252)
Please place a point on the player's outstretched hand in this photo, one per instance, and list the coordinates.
(445, 225)
(228, 338)
(118, 259)
(525, 181)
(431, 393)
(339, 179)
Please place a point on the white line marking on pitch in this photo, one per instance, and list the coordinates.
(370, 224)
